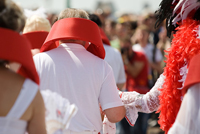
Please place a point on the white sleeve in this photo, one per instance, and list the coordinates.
(135, 102)
(150, 102)
(188, 118)
(145, 103)
(109, 96)
(158, 55)
(122, 77)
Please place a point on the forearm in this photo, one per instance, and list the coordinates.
(144, 103)
(135, 68)
(120, 85)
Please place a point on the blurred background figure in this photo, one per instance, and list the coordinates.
(110, 31)
(154, 56)
(136, 67)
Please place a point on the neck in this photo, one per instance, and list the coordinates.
(3, 69)
(73, 41)
(83, 43)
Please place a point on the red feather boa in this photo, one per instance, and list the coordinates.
(184, 46)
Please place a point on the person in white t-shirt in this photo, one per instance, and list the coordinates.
(113, 56)
(81, 76)
(114, 59)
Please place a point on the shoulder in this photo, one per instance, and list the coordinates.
(38, 103)
(140, 56)
(43, 57)
(137, 47)
(112, 50)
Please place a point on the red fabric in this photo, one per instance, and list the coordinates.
(140, 83)
(75, 28)
(193, 75)
(36, 38)
(185, 45)
(104, 38)
(15, 47)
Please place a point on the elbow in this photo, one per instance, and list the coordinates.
(118, 115)
(120, 85)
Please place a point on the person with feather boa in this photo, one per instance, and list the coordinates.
(172, 94)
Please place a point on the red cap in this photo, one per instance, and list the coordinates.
(36, 38)
(15, 47)
(193, 75)
(104, 38)
(75, 28)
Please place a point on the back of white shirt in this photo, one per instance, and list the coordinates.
(83, 79)
(114, 59)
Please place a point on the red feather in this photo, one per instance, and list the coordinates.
(184, 46)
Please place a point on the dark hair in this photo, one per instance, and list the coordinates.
(166, 12)
(113, 23)
(95, 18)
(3, 62)
(134, 25)
(11, 16)
(197, 15)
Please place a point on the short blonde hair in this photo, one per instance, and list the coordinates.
(73, 13)
(37, 23)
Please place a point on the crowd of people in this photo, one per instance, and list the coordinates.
(117, 73)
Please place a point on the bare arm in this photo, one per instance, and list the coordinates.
(120, 85)
(37, 123)
(115, 114)
(135, 68)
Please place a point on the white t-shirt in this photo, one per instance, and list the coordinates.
(84, 79)
(188, 117)
(114, 59)
(148, 51)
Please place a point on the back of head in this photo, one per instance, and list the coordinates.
(96, 19)
(73, 13)
(36, 23)
(11, 16)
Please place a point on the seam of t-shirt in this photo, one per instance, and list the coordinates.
(110, 70)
